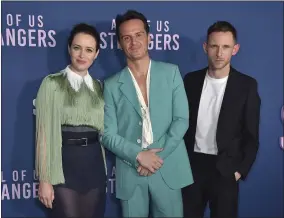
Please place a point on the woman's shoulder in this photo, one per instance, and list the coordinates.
(51, 82)
(52, 79)
(53, 76)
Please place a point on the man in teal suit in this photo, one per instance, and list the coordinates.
(146, 117)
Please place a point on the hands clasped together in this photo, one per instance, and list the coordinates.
(149, 162)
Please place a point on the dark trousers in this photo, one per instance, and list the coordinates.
(210, 187)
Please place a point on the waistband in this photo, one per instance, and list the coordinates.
(73, 136)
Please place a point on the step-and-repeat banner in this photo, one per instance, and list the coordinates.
(34, 44)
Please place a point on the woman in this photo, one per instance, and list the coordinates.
(70, 162)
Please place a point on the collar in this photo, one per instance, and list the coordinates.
(76, 80)
(148, 74)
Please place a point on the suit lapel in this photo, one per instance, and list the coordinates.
(153, 91)
(229, 97)
(197, 95)
(154, 94)
(128, 89)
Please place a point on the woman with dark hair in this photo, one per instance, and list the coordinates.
(70, 161)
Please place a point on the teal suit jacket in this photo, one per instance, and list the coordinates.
(169, 115)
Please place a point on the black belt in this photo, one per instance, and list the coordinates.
(80, 142)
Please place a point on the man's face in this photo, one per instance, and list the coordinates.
(134, 40)
(220, 47)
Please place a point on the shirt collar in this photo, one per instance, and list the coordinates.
(148, 74)
(76, 80)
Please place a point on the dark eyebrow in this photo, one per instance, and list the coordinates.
(135, 33)
(80, 46)
(214, 44)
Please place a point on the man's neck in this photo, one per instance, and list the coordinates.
(139, 67)
(219, 73)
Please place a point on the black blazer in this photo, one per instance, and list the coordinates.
(237, 133)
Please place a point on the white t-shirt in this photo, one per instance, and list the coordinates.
(208, 113)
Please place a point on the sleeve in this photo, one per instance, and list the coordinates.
(251, 130)
(44, 125)
(180, 117)
(121, 147)
(102, 90)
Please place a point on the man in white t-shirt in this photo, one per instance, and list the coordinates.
(223, 135)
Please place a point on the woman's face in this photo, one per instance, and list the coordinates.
(82, 52)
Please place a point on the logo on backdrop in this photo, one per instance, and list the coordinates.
(36, 35)
(161, 37)
(23, 184)
(16, 33)
(17, 185)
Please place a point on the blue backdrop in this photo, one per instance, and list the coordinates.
(34, 44)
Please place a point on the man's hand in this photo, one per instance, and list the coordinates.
(143, 171)
(149, 160)
(237, 176)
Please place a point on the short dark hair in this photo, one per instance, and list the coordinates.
(130, 15)
(222, 26)
(87, 29)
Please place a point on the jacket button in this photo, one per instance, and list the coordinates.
(139, 141)
(140, 123)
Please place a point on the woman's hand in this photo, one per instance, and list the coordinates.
(46, 194)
